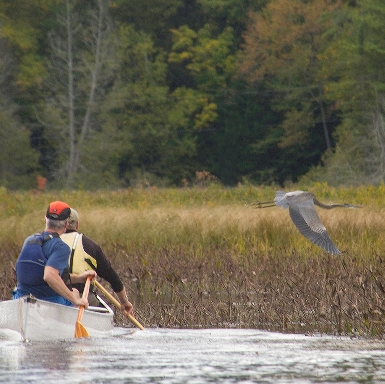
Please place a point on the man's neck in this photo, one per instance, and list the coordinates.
(59, 232)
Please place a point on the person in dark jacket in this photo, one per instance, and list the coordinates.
(87, 255)
(41, 268)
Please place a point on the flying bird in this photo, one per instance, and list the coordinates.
(302, 211)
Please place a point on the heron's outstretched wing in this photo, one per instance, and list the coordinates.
(309, 224)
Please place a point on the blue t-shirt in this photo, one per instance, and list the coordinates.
(57, 252)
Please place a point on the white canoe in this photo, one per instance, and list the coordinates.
(36, 319)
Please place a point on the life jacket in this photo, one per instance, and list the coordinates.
(31, 261)
(79, 260)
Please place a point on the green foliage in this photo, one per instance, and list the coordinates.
(80, 65)
(282, 46)
(233, 10)
(155, 99)
(18, 161)
(211, 64)
(193, 109)
(355, 59)
(143, 122)
(209, 59)
(153, 17)
(25, 34)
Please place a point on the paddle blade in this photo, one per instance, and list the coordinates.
(80, 331)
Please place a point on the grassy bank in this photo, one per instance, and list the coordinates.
(204, 257)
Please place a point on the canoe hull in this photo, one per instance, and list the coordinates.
(36, 319)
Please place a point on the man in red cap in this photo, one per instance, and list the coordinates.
(42, 266)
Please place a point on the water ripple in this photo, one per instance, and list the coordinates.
(194, 357)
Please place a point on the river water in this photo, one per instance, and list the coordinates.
(194, 356)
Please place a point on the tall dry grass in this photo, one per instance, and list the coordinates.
(208, 258)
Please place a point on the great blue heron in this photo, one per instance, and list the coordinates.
(302, 211)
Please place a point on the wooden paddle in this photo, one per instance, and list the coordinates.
(116, 302)
(80, 330)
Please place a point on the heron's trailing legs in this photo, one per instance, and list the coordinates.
(263, 204)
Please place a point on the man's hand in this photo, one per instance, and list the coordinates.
(80, 301)
(81, 278)
(126, 306)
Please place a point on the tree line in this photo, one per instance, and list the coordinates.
(104, 93)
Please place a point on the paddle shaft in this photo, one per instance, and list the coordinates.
(116, 302)
(80, 331)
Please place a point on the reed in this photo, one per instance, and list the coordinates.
(205, 257)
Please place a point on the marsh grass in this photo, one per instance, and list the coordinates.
(205, 257)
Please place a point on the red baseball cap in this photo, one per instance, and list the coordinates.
(58, 210)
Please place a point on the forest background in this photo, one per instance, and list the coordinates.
(101, 93)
